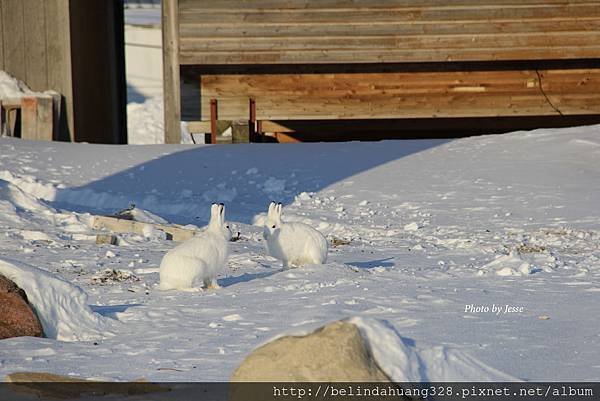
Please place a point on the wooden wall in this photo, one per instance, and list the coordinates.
(35, 47)
(374, 31)
(405, 94)
(76, 48)
(326, 60)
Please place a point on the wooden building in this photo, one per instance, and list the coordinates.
(75, 48)
(382, 68)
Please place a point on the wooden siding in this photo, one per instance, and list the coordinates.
(405, 95)
(390, 31)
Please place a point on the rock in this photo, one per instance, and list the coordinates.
(336, 352)
(17, 318)
(49, 385)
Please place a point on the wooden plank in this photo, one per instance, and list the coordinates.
(29, 117)
(370, 15)
(45, 118)
(58, 41)
(130, 226)
(385, 31)
(198, 127)
(2, 36)
(56, 113)
(451, 43)
(351, 4)
(34, 19)
(13, 33)
(390, 56)
(240, 132)
(405, 95)
(247, 31)
(172, 90)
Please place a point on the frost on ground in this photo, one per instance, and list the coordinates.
(424, 234)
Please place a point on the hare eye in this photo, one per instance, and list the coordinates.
(227, 226)
(273, 227)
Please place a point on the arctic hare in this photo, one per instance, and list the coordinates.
(295, 244)
(197, 261)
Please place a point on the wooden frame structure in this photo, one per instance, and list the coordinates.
(279, 65)
(75, 48)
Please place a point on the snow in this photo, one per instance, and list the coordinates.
(524, 204)
(61, 307)
(145, 121)
(11, 87)
(404, 360)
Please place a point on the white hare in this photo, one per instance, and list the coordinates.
(295, 244)
(197, 261)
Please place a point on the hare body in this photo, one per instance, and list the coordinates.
(295, 244)
(197, 261)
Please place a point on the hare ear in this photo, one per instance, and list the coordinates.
(214, 212)
(222, 212)
(271, 211)
(278, 210)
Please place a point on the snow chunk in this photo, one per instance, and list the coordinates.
(61, 306)
(414, 226)
(274, 186)
(21, 199)
(510, 265)
(406, 361)
(304, 196)
(144, 216)
(11, 87)
(232, 318)
(220, 194)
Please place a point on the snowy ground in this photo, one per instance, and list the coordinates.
(432, 226)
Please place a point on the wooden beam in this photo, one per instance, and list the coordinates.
(29, 119)
(214, 116)
(199, 127)
(252, 121)
(116, 225)
(172, 90)
(60, 72)
(240, 132)
(45, 118)
(406, 94)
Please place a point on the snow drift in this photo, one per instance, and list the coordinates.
(61, 306)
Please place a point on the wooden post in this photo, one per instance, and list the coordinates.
(29, 118)
(36, 118)
(259, 131)
(240, 132)
(213, 121)
(252, 122)
(172, 95)
(56, 114)
(44, 118)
